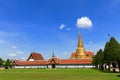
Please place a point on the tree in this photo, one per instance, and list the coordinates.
(1, 62)
(118, 57)
(7, 63)
(110, 56)
(98, 59)
(105, 51)
(112, 53)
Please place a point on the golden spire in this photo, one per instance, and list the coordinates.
(80, 43)
(80, 51)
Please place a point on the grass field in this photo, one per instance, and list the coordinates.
(57, 74)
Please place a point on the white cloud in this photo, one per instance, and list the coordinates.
(12, 55)
(14, 47)
(19, 52)
(84, 22)
(68, 29)
(62, 26)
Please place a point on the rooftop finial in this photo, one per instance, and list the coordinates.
(79, 38)
(53, 54)
(79, 33)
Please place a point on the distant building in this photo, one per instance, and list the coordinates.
(35, 57)
(78, 59)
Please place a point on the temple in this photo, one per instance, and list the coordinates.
(79, 59)
(80, 51)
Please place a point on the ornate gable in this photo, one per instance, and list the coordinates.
(35, 57)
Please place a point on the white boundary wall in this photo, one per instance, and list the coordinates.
(30, 66)
(57, 66)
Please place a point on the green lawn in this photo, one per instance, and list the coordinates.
(57, 74)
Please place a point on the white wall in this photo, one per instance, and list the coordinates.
(74, 66)
(57, 66)
(31, 60)
(30, 66)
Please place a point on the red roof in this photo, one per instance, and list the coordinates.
(75, 61)
(90, 53)
(38, 60)
(53, 60)
(28, 63)
(35, 56)
(62, 61)
(73, 55)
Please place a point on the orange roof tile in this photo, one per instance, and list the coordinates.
(27, 63)
(62, 61)
(53, 60)
(75, 61)
(36, 56)
(90, 53)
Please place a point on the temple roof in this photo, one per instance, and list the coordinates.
(57, 61)
(28, 63)
(75, 61)
(90, 53)
(35, 56)
(53, 60)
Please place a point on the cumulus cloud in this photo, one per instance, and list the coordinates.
(62, 26)
(14, 47)
(12, 55)
(84, 22)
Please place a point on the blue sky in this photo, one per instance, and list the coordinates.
(34, 25)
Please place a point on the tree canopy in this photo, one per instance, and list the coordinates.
(7, 63)
(112, 50)
(98, 58)
(1, 62)
(111, 53)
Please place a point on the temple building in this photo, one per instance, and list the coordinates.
(79, 59)
(81, 53)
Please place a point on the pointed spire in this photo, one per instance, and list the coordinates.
(80, 51)
(79, 39)
(53, 54)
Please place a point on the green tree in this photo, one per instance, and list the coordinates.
(105, 51)
(112, 53)
(112, 50)
(98, 59)
(94, 61)
(7, 64)
(1, 62)
(118, 56)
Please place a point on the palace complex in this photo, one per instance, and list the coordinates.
(79, 59)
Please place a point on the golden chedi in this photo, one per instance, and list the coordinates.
(80, 51)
